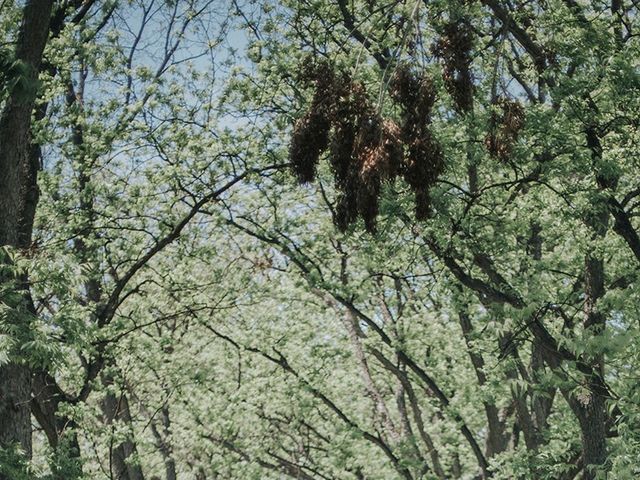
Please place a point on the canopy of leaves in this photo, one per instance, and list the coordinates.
(320, 239)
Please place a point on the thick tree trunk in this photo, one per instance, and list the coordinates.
(592, 418)
(15, 419)
(18, 177)
(18, 197)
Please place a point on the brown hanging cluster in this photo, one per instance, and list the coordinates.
(365, 150)
(504, 128)
(454, 48)
(377, 153)
(350, 99)
(311, 132)
(424, 162)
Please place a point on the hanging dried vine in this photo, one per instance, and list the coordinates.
(454, 48)
(311, 132)
(365, 149)
(424, 162)
(504, 127)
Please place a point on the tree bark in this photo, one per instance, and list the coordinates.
(592, 417)
(19, 164)
(497, 436)
(163, 442)
(591, 408)
(59, 430)
(117, 409)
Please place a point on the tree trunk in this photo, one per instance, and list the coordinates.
(497, 437)
(163, 443)
(592, 418)
(117, 409)
(15, 419)
(60, 431)
(19, 163)
(591, 408)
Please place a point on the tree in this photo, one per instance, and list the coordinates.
(523, 133)
(19, 164)
(450, 294)
(77, 270)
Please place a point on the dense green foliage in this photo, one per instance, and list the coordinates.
(320, 239)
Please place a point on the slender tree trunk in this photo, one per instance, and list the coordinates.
(497, 437)
(116, 409)
(19, 163)
(381, 411)
(163, 442)
(590, 408)
(59, 430)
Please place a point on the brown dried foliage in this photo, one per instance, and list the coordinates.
(424, 161)
(309, 139)
(454, 48)
(377, 152)
(310, 135)
(423, 204)
(377, 149)
(350, 102)
(366, 150)
(415, 94)
(504, 128)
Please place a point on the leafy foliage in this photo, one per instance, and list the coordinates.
(318, 239)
